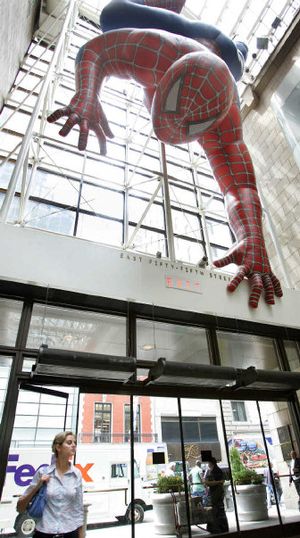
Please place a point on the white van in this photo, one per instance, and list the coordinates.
(106, 473)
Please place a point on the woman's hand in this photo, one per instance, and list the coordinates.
(43, 480)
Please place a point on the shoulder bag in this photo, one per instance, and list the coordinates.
(37, 504)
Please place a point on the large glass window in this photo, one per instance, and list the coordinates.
(102, 422)
(238, 411)
(293, 354)
(136, 421)
(195, 429)
(244, 350)
(109, 198)
(39, 416)
(5, 366)
(10, 314)
(177, 343)
(77, 330)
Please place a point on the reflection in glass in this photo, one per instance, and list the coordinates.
(104, 201)
(10, 314)
(5, 366)
(219, 233)
(190, 251)
(293, 355)
(40, 416)
(211, 506)
(105, 454)
(243, 350)
(164, 470)
(282, 487)
(45, 217)
(147, 241)
(31, 448)
(54, 187)
(99, 229)
(175, 342)
(249, 448)
(77, 330)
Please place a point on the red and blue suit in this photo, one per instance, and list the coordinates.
(188, 74)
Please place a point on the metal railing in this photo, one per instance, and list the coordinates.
(123, 437)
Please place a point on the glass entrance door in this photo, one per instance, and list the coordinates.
(133, 449)
(41, 413)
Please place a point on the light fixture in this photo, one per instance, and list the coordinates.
(262, 43)
(148, 347)
(276, 22)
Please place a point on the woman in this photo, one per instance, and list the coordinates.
(63, 513)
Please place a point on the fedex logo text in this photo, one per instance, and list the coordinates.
(23, 474)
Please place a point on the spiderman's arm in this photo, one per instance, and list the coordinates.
(233, 169)
(85, 108)
(141, 55)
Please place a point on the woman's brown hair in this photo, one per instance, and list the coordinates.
(59, 439)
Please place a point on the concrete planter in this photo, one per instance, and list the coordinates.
(164, 511)
(252, 502)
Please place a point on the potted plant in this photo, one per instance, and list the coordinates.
(250, 491)
(169, 491)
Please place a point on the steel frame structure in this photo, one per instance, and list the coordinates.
(33, 148)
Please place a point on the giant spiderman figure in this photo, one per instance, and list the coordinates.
(188, 71)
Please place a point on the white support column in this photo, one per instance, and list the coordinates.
(167, 205)
(27, 137)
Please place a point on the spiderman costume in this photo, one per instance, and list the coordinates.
(140, 14)
(191, 95)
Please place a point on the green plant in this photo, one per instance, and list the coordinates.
(165, 484)
(242, 475)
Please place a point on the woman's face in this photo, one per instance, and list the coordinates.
(68, 447)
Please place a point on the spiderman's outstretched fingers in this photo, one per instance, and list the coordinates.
(68, 126)
(59, 113)
(237, 279)
(277, 286)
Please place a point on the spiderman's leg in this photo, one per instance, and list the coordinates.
(138, 14)
(149, 14)
(170, 5)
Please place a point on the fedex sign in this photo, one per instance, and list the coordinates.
(23, 474)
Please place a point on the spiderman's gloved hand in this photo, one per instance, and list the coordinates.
(251, 256)
(85, 110)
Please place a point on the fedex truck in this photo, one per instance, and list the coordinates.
(106, 474)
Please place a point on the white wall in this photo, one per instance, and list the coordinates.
(47, 259)
(16, 27)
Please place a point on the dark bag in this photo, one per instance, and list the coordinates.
(37, 504)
